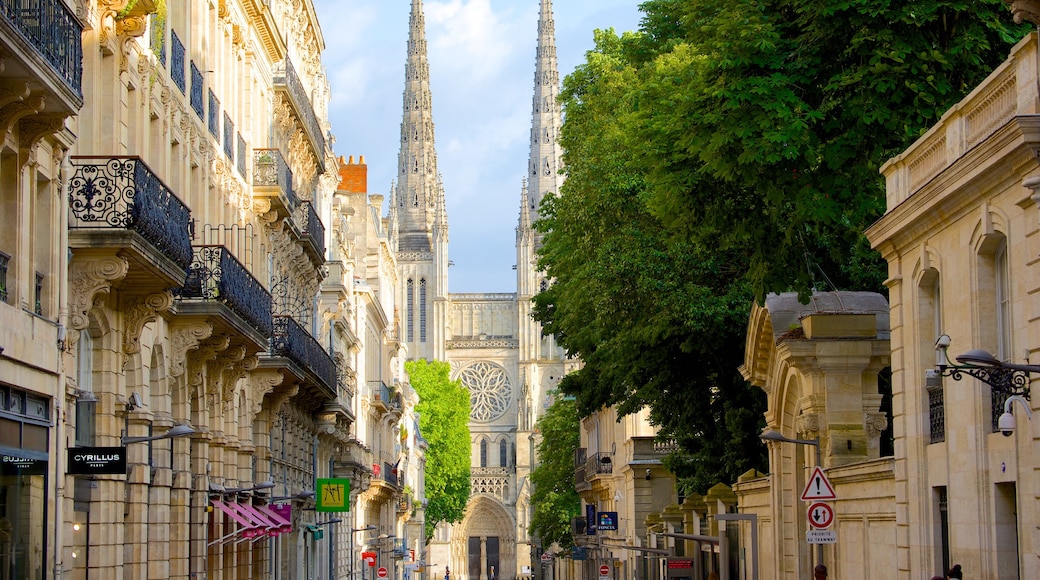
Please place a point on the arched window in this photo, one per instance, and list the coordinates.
(422, 310)
(483, 453)
(410, 307)
(503, 453)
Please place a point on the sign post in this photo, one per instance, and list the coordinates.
(818, 487)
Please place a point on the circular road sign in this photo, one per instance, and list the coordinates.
(604, 570)
(821, 515)
(381, 572)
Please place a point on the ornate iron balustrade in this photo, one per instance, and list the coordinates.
(241, 156)
(293, 342)
(54, 32)
(288, 79)
(288, 300)
(123, 193)
(196, 91)
(177, 61)
(579, 476)
(229, 138)
(216, 275)
(390, 473)
(270, 169)
(213, 122)
(4, 261)
(598, 463)
(312, 227)
(936, 415)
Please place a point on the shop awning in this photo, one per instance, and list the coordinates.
(249, 528)
(273, 528)
(284, 525)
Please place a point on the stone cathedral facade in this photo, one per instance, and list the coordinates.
(490, 340)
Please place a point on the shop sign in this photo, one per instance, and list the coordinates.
(14, 465)
(607, 521)
(97, 461)
(333, 495)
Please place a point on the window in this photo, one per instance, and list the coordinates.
(410, 306)
(503, 453)
(422, 310)
(4, 261)
(931, 327)
(86, 403)
(483, 453)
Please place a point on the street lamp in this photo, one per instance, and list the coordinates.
(1006, 378)
(262, 485)
(367, 528)
(773, 435)
(302, 496)
(175, 431)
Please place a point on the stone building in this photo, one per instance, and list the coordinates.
(42, 90)
(960, 238)
(490, 340)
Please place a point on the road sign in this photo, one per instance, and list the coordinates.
(604, 570)
(821, 515)
(547, 558)
(369, 558)
(381, 572)
(821, 537)
(818, 487)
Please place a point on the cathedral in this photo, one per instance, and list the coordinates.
(493, 345)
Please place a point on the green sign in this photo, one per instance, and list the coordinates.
(333, 495)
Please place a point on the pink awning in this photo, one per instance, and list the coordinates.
(249, 529)
(272, 527)
(284, 525)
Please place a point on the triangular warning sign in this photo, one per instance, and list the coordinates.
(818, 487)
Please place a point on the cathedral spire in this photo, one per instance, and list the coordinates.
(419, 192)
(545, 162)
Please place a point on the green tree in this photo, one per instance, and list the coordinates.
(554, 498)
(444, 421)
(727, 150)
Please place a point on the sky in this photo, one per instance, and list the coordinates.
(482, 59)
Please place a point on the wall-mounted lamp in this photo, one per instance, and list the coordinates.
(175, 431)
(262, 485)
(302, 496)
(1006, 378)
(649, 475)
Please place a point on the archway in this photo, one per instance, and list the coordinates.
(486, 542)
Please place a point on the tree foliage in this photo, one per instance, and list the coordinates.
(444, 422)
(554, 499)
(727, 150)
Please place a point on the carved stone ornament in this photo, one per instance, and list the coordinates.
(89, 280)
(186, 337)
(875, 424)
(807, 425)
(138, 313)
(1025, 10)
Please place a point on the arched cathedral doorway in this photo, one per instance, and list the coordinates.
(486, 547)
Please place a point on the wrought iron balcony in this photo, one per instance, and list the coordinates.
(286, 80)
(114, 202)
(313, 232)
(273, 179)
(217, 276)
(599, 463)
(296, 344)
(49, 28)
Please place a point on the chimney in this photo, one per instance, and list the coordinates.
(353, 177)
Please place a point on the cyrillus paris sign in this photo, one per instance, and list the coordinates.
(97, 461)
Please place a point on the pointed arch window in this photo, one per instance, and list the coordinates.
(503, 453)
(422, 310)
(409, 297)
(483, 453)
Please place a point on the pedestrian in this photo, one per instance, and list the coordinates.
(955, 572)
(820, 572)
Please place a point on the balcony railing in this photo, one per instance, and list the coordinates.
(287, 79)
(293, 342)
(177, 61)
(313, 229)
(216, 275)
(123, 193)
(196, 91)
(389, 472)
(599, 463)
(271, 170)
(54, 32)
(381, 391)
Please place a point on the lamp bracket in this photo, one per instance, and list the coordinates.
(1002, 379)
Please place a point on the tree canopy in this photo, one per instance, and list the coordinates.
(727, 150)
(554, 498)
(444, 422)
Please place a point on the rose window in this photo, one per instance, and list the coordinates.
(488, 388)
